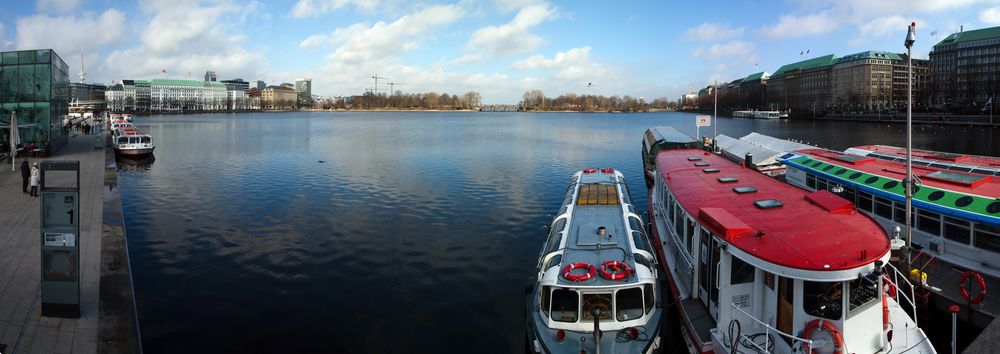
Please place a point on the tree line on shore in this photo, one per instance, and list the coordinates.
(535, 100)
(400, 100)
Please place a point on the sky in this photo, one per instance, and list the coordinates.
(499, 48)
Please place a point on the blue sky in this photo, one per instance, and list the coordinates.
(498, 48)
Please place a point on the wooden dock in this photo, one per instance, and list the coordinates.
(22, 329)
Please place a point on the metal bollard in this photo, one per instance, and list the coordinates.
(954, 319)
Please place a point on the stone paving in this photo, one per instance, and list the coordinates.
(21, 325)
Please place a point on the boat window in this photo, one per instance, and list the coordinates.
(820, 183)
(679, 221)
(690, 233)
(957, 230)
(543, 303)
(745, 190)
(935, 195)
(670, 208)
(634, 223)
(862, 293)
(563, 209)
(899, 212)
(145, 139)
(123, 140)
(628, 304)
(883, 207)
(640, 259)
(558, 225)
(553, 262)
(133, 140)
(597, 301)
(988, 237)
(767, 204)
(741, 272)
(822, 299)
(565, 305)
(568, 199)
(640, 241)
(929, 221)
(650, 297)
(864, 201)
(625, 192)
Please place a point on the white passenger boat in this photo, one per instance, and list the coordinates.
(596, 288)
(760, 114)
(757, 265)
(131, 142)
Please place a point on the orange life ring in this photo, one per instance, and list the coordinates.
(888, 287)
(568, 271)
(885, 312)
(60, 276)
(965, 291)
(615, 270)
(838, 340)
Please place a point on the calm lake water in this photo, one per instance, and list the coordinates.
(381, 232)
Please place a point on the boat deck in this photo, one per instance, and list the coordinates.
(698, 317)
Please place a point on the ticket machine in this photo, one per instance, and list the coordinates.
(60, 237)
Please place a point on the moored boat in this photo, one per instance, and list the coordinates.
(757, 265)
(131, 142)
(596, 290)
(955, 217)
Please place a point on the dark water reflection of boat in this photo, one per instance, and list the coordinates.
(135, 164)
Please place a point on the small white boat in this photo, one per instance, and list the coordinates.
(760, 114)
(131, 142)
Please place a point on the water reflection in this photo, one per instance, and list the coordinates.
(420, 226)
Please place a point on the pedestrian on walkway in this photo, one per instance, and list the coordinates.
(34, 179)
(25, 173)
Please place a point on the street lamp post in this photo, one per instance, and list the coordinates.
(908, 180)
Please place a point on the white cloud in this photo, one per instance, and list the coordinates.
(711, 31)
(310, 8)
(573, 64)
(185, 36)
(360, 42)
(4, 43)
(90, 31)
(724, 50)
(791, 26)
(511, 5)
(511, 38)
(990, 16)
(59, 6)
(881, 27)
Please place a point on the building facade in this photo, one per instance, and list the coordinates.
(753, 91)
(210, 76)
(260, 85)
(86, 92)
(921, 83)
(236, 84)
(178, 96)
(279, 97)
(802, 86)
(965, 69)
(874, 81)
(303, 87)
(35, 85)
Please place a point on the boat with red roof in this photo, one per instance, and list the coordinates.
(131, 142)
(955, 215)
(758, 265)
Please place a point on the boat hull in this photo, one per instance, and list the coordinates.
(134, 153)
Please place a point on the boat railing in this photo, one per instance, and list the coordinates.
(684, 263)
(898, 278)
(747, 339)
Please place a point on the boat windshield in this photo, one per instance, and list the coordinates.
(862, 293)
(566, 304)
(145, 139)
(122, 140)
(823, 299)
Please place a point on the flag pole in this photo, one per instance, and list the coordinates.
(908, 180)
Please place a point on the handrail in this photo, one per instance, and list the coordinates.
(896, 275)
(688, 258)
(767, 332)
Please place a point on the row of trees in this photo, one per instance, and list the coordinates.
(399, 100)
(535, 100)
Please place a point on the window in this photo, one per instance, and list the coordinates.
(640, 241)
(822, 299)
(543, 303)
(864, 201)
(883, 207)
(988, 237)
(863, 292)
(649, 296)
(929, 222)
(679, 221)
(957, 230)
(690, 233)
(670, 208)
(628, 304)
(741, 272)
(565, 305)
(597, 301)
(899, 212)
(811, 181)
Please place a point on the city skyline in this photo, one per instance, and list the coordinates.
(500, 49)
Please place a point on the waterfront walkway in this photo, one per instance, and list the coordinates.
(21, 326)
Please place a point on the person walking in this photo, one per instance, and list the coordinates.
(25, 173)
(34, 179)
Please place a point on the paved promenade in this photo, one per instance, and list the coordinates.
(21, 326)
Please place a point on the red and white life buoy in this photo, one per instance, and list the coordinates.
(615, 270)
(965, 291)
(826, 326)
(568, 271)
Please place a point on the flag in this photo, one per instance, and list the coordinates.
(807, 51)
(163, 71)
(800, 53)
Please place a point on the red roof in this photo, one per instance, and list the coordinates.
(830, 202)
(935, 155)
(986, 186)
(799, 234)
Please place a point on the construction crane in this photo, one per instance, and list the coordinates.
(392, 90)
(376, 78)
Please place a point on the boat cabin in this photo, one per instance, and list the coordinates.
(771, 268)
(663, 138)
(597, 263)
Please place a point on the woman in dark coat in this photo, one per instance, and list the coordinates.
(25, 173)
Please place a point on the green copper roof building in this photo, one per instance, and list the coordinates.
(808, 64)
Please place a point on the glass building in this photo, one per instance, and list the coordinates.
(35, 83)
